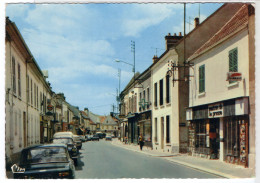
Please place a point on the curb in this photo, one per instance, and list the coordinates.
(223, 175)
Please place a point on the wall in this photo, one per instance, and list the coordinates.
(216, 67)
(159, 72)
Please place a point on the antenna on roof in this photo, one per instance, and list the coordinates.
(156, 50)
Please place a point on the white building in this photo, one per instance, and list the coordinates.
(220, 126)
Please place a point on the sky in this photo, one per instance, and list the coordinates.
(79, 43)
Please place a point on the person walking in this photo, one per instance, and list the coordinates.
(141, 142)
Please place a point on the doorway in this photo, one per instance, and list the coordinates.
(214, 138)
(24, 130)
(162, 133)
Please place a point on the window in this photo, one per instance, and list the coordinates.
(148, 98)
(41, 101)
(19, 80)
(167, 88)
(155, 94)
(31, 93)
(37, 94)
(140, 100)
(34, 95)
(167, 129)
(233, 65)
(155, 136)
(13, 75)
(28, 87)
(161, 92)
(202, 79)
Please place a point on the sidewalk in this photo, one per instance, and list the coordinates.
(216, 167)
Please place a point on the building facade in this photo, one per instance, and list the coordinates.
(219, 93)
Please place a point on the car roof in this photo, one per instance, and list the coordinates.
(45, 145)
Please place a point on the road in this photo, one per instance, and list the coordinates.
(103, 160)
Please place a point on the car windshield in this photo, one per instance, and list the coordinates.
(45, 155)
(62, 141)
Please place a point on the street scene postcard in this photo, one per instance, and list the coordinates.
(126, 90)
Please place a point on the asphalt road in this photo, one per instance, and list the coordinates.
(103, 160)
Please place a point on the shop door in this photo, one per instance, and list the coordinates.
(214, 138)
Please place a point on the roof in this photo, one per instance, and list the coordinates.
(74, 109)
(109, 120)
(20, 38)
(235, 24)
(84, 115)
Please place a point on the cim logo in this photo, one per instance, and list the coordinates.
(234, 76)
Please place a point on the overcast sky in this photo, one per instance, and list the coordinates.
(78, 43)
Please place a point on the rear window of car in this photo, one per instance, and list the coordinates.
(62, 141)
(45, 155)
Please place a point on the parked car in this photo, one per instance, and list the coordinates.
(68, 141)
(82, 138)
(87, 137)
(95, 137)
(62, 134)
(44, 162)
(108, 137)
(77, 140)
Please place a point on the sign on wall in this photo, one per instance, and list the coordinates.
(234, 76)
(216, 110)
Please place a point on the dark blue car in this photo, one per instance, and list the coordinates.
(44, 162)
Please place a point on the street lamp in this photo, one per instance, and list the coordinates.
(117, 60)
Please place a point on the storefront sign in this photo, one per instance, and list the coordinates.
(216, 110)
(234, 76)
(50, 107)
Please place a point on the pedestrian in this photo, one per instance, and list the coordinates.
(141, 142)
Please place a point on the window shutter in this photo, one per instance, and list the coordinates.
(202, 78)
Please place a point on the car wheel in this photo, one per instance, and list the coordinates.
(76, 162)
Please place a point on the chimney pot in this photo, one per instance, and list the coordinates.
(175, 34)
(169, 34)
(179, 33)
(196, 21)
(155, 58)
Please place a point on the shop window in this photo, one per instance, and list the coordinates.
(233, 65)
(202, 79)
(232, 138)
(201, 137)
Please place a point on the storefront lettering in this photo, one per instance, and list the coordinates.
(215, 110)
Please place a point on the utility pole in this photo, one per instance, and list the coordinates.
(133, 50)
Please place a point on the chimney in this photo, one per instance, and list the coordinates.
(196, 21)
(155, 59)
(172, 40)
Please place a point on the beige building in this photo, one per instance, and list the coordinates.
(221, 126)
(27, 95)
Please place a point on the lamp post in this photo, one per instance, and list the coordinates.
(117, 60)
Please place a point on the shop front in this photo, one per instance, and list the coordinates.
(145, 127)
(133, 129)
(220, 131)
